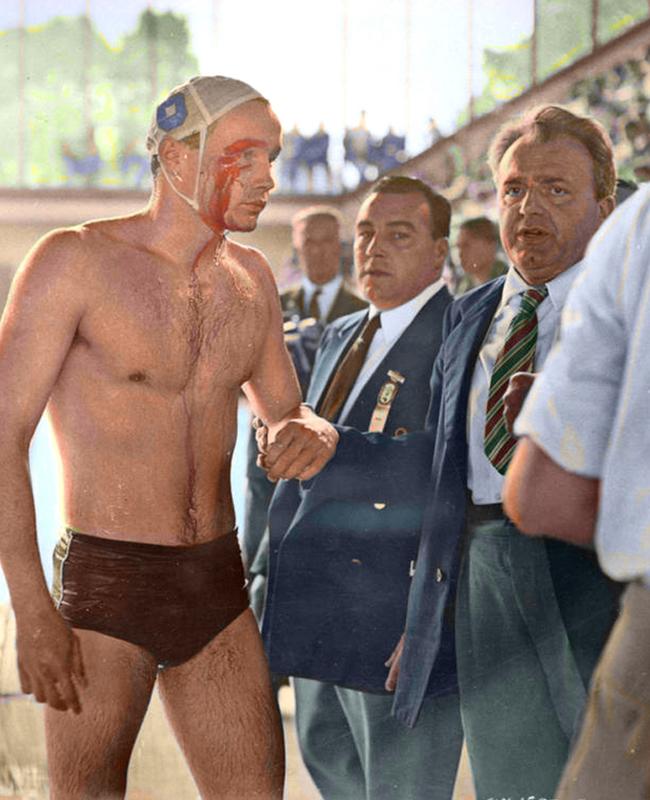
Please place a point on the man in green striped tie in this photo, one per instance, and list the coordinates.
(531, 615)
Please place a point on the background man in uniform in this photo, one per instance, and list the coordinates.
(582, 468)
(531, 615)
(137, 333)
(341, 570)
(321, 297)
(477, 243)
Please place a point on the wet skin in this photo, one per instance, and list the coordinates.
(137, 334)
(144, 408)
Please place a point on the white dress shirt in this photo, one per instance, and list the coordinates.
(590, 407)
(483, 480)
(328, 292)
(393, 324)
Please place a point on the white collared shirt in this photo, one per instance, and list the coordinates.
(327, 296)
(393, 324)
(483, 480)
(590, 407)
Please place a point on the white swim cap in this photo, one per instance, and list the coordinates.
(191, 108)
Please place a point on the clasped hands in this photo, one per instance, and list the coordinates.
(297, 446)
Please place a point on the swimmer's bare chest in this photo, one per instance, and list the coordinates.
(175, 331)
(149, 390)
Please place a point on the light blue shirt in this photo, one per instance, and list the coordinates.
(327, 296)
(483, 480)
(590, 407)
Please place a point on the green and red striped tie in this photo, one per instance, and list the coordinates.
(517, 355)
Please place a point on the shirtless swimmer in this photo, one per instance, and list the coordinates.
(137, 334)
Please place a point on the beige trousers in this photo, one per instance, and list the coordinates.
(611, 758)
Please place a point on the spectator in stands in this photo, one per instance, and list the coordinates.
(86, 166)
(477, 242)
(292, 142)
(314, 153)
(134, 165)
(356, 143)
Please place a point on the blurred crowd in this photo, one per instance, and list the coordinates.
(619, 98)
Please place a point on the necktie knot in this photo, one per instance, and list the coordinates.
(367, 332)
(532, 298)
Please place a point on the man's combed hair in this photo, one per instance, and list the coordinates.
(482, 228)
(439, 207)
(544, 123)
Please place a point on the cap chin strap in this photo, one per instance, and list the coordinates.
(192, 201)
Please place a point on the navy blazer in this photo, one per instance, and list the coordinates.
(431, 466)
(341, 561)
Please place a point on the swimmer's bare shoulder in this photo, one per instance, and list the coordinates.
(45, 304)
(262, 299)
(255, 265)
(272, 386)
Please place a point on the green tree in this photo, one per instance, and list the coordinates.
(65, 58)
(563, 35)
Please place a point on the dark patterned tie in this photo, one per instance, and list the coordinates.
(314, 308)
(517, 355)
(348, 370)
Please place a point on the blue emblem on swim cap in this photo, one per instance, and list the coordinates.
(172, 112)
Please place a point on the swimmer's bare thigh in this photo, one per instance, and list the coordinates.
(222, 708)
(88, 754)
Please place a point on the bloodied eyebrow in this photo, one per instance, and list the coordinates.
(241, 145)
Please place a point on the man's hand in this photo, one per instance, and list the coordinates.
(513, 399)
(261, 440)
(299, 445)
(49, 661)
(394, 665)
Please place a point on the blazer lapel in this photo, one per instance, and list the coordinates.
(405, 355)
(462, 347)
(329, 359)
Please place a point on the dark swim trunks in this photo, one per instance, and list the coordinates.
(171, 601)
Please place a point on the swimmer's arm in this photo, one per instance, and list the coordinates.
(43, 311)
(302, 441)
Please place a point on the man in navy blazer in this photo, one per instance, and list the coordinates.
(341, 570)
(531, 615)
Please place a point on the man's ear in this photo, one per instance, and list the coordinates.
(173, 155)
(442, 250)
(606, 206)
